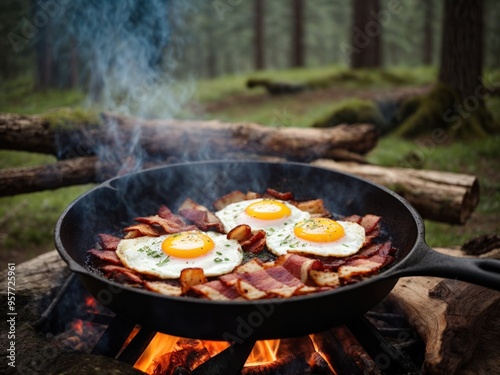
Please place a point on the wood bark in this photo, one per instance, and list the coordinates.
(298, 51)
(462, 46)
(259, 34)
(366, 35)
(189, 140)
(436, 195)
(449, 316)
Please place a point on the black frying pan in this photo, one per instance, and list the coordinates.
(113, 205)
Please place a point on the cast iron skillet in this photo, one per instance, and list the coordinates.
(113, 205)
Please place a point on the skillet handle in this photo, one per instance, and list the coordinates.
(425, 261)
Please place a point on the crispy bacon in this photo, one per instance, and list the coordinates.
(165, 213)
(121, 274)
(284, 196)
(169, 226)
(232, 197)
(163, 288)
(106, 256)
(108, 242)
(200, 216)
(370, 222)
(325, 278)
(141, 229)
(298, 266)
(216, 291)
(271, 282)
(315, 207)
(288, 275)
(256, 243)
(356, 269)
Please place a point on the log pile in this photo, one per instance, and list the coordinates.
(94, 152)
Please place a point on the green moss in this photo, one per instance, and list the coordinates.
(441, 108)
(68, 118)
(351, 111)
(422, 115)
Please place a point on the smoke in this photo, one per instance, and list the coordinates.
(129, 54)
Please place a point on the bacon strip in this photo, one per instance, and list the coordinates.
(200, 216)
(370, 222)
(163, 288)
(121, 274)
(216, 291)
(106, 256)
(169, 226)
(232, 197)
(271, 282)
(298, 266)
(108, 242)
(139, 230)
(284, 196)
(315, 207)
(256, 243)
(165, 213)
(358, 269)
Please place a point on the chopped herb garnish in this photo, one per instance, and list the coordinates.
(217, 260)
(163, 262)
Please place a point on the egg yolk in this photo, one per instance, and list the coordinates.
(319, 230)
(268, 209)
(187, 245)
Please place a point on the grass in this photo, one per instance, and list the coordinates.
(27, 221)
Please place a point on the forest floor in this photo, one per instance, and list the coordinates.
(27, 221)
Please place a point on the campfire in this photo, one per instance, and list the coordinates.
(94, 328)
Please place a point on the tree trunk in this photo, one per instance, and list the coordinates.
(462, 46)
(366, 36)
(259, 34)
(428, 46)
(298, 33)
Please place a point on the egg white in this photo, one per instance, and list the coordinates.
(285, 241)
(234, 214)
(145, 255)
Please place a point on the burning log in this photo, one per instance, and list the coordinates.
(187, 355)
(436, 195)
(292, 365)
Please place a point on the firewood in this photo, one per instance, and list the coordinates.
(436, 195)
(448, 315)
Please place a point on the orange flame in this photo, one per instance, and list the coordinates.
(263, 351)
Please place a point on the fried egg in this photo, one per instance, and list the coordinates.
(166, 256)
(266, 214)
(318, 236)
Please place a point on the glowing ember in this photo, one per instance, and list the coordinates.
(263, 352)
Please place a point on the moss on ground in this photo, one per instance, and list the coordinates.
(351, 111)
(441, 108)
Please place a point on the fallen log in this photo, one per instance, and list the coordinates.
(439, 196)
(436, 195)
(449, 315)
(189, 140)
